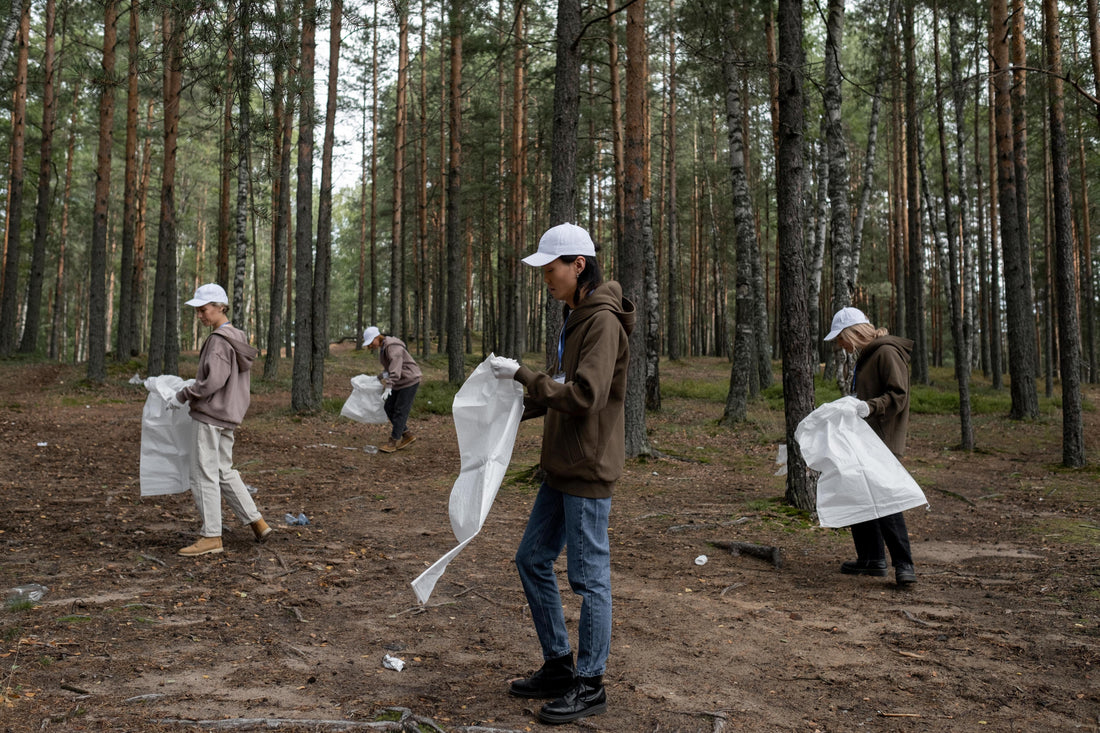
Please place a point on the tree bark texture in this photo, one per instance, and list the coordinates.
(456, 368)
(302, 396)
(397, 245)
(10, 295)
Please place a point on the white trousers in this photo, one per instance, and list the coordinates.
(212, 477)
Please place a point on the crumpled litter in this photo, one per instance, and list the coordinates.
(486, 411)
(391, 662)
(136, 379)
(301, 519)
(30, 592)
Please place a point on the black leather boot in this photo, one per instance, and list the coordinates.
(587, 697)
(554, 679)
(874, 568)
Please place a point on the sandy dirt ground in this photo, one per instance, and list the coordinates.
(1001, 632)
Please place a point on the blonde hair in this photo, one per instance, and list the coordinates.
(862, 334)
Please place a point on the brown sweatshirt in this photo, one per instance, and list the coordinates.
(882, 380)
(220, 393)
(583, 440)
(396, 359)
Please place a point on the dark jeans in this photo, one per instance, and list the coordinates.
(873, 538)
(397, 406)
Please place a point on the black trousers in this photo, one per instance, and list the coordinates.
(397, 407)
(873, 538)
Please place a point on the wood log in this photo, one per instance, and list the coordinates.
(764, 552)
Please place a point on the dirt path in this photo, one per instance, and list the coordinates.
(1001, 632)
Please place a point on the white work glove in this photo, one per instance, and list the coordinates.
(176, 403)
(863, 409)
(503, 367)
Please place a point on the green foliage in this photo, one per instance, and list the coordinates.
(434, 398)
(695, 389)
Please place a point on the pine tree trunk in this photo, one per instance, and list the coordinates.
(244, 144)
(1073, 437)
(322, 271)
(14, 239)
(1021, 329)
(840, 224)
(57, 327)
(674, 336)
(397, 245)
(302, 396)
(794, 327)
(126, 345)
(456, 368)
(631, 260)
(915, 305)
(29, 343)
(97, 257)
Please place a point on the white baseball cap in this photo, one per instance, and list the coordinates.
(209, 293)
(845, 317)
(564, 239)
(370, 335)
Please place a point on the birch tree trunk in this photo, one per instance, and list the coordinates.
(1073, 435)
(29, 343)
(744, 321)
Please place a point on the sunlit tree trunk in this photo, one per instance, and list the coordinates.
(1073, 436)
(29, 343)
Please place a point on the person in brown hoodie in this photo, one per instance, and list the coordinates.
(881, 381)
(583, 450)
(219, 398)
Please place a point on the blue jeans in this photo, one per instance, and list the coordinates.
(397, 407)
(559, 520)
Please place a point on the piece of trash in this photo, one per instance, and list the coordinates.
(701, 560)
(391, 662)
(301, 519)
(31, 592)
(372, 449)
(136, 379)
(251, 489)
(781, 460)
(43, 444)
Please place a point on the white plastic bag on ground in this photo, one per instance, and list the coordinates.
(860, 478)
(486, 411)
(165, 439)
(366, 401)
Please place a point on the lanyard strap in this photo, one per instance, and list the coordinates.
(561, 342)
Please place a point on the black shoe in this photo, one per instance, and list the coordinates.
(905, 575)
(554, 679)
(586, 698)
(874, 568)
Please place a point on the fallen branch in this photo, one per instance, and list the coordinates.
(150, 558)
(405, 721)
(763, 552)
(914, 619)
(911, 655)
(899, 715)
(74, 688)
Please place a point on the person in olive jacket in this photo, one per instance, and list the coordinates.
(583, 451)
(881, 381)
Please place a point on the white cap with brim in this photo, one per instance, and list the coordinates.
(370, 335)
(564, 239)
(844, 318)
(208, 293)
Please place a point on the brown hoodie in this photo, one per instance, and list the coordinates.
(583, 439)
(220, 394)
(882, 380)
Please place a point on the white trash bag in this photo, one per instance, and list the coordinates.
(165, 439)
(486, 411)
(365, 404)
(861, 479)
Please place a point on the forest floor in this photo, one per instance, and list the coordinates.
(1001, 633)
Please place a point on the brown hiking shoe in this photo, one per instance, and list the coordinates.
(203, 546)
(260, 529)
(406, 440)
(389, 447)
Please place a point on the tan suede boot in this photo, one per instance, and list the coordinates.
(204, 546)
(406, 439)
(389, 447)
(260, 529)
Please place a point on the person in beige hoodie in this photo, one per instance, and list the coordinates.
(219, 398)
